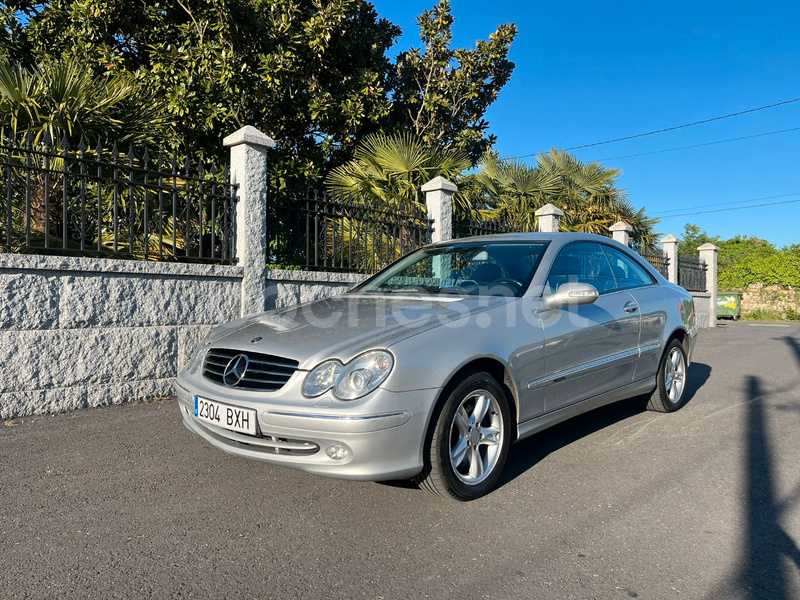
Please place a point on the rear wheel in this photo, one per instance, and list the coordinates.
(669, 394)
(469, 439)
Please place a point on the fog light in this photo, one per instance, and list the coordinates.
(336, 452)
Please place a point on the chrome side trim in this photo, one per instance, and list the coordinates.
(589, 366)
(537, 383)
(649, 348)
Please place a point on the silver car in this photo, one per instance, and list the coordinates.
(433, 367)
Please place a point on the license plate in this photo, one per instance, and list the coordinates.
(233, 418)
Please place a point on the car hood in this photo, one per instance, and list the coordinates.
(344, 326)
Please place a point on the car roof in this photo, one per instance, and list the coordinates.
(528, 237)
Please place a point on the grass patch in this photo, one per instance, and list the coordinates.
(761, 314)
(792, 314)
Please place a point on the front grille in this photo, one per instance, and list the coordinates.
(264, 372)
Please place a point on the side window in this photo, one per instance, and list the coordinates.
(582, 263)
(627, 272)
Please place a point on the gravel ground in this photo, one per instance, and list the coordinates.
(619, 503)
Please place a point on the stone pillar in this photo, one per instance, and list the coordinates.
(670, 243)
(549, 217)
(249, 170)
(439, 199)
(708, 254)
(621, 232)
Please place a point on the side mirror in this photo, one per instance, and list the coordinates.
(572, 294)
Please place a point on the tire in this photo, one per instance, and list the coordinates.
(468, 440)
(670, 392)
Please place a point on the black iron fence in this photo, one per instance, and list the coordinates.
(470, 227)
(692, 273)
(106, 202)
(658, 260)
(314, 230)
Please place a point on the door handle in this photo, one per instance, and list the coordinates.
(630, 307)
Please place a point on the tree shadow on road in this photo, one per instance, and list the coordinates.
(794, 344)
(762, 572)
(527, 453)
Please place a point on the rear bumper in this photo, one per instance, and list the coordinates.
(380, 444)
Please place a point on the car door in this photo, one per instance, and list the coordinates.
(593, 348)
(634, 278)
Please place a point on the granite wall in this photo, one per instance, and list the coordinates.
(702, 306)
(287, 288)
(83, 332)
(80, 332)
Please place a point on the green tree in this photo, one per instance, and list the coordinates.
(693, 238)
(744, 260)
(313, 75)
(14, 43)
(310, 74)
(440, 93)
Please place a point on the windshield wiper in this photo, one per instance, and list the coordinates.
(396, 291)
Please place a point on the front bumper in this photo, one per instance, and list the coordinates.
(384, 435)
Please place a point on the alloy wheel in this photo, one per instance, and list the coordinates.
(476, 437)
(674, 375)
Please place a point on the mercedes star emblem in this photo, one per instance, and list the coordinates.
(235, 370)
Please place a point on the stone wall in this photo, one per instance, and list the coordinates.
(702, 307)
(771, 298)
(287, 288)
(79, 332)
(84, 332)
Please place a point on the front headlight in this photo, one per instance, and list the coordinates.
(197, 356)
(355, 379)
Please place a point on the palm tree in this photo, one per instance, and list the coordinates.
(64, 98)
(391, 169)
(64, 102)
(510, 191)
(387, 174)
(586, 192)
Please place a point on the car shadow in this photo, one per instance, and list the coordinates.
(527, 453)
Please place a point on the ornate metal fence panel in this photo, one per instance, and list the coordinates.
(311, 229)
(692, 273)
(473, 227)
(102, 201)
(658, 260)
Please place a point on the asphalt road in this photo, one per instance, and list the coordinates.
(620, 503)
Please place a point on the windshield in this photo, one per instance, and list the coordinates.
(487, 269)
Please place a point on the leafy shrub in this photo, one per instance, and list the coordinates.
(744, 260)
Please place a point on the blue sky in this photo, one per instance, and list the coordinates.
(590, 71)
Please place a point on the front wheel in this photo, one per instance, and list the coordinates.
(669, 394)
(469, 440)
